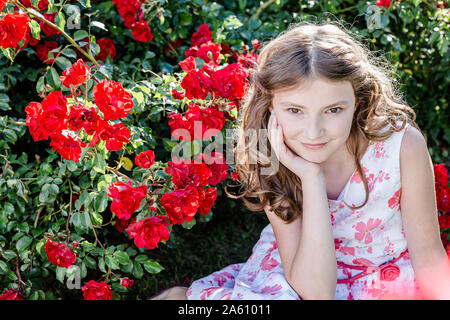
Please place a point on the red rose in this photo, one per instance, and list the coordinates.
(256, 44)
(209, 120)
(11, 294)
(203, 34)
(248, 60)
(145, 159)
(54, 115)
(126, 199)
(33, 121)
(187, 64)
(81, 117)
(67, 144)
(96, 291)
(76, 75)
(207, 198)
(47, 118)
(121, 224)
(235, 176)
(148, 232)
(218, 166)
(59, 254)
(112, 99)
(127, 283)
(13, 28)
(230, 82)
(196, 84)
(42, 51)
(141, 31)
(107, 48)
(130, 11)
(115, 136)
(440, 174)
(389, 271)
(43, 4)
(47, 29)
(181, 205)
(383, 3)
(209, 52)
(188, 174)
(177, 95)
(444, 221)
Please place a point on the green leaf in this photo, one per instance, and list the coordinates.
(69, 53)
(96, 218)
(232, 22)
(101, 202)
(4, 102)
(3, 267)
(23, 243)
(189, 224)
(122, 257)
(60, 274)
(99, 163)
(80, 35)
(60, 20)
(112, 262)
(101, 264)
(40, 85)
(137, 271)
(9, 254)
(53, 78)
(35, 29)
(63, 63)
(152, 266)
(90, 262)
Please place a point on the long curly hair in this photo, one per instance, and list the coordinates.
(309, 50)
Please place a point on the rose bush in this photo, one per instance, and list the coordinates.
(73, 206)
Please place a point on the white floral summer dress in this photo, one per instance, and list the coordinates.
(370, 243)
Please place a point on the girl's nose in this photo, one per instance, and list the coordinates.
(314, 131)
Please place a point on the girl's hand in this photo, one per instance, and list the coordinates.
(304, 169)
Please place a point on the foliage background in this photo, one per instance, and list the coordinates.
(412, 35)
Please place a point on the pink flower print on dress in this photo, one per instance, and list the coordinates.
(271, 289)
(205, 293)
(356, 177)
(395, 200)
(347, 250)
(337, 244)
(379, 150)
(362, 262)
(221, 278)
(364, 230)
(268, 263)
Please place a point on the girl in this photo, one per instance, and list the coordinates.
(350, 198)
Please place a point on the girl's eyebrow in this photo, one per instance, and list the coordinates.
(287, 103)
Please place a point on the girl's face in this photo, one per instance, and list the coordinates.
(318, 112)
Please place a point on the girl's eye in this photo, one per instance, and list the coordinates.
(335, 108)
(295, 110)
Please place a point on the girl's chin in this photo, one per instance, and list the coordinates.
(309, 155)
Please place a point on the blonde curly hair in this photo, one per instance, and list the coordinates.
(306, 51)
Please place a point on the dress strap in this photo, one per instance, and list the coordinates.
(388, 271)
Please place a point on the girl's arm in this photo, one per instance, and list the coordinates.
(306, 245)
(419, 214)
